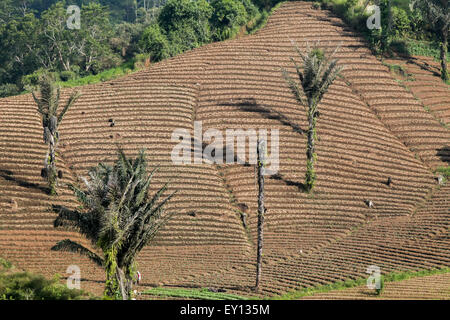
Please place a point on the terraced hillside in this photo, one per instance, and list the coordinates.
(421, 75)
(370, 128)
(429, 287)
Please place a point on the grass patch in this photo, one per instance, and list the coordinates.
(342, 285)
(203, 294)
(413, 47)
(110, 74)
(106, 75)
(16, 285)
(397, 69)
(445, 171)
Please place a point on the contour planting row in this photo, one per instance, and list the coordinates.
(422, 78)
(428, 287)
(229, 98)
(430, 136)
(213, 221)
(367, 131)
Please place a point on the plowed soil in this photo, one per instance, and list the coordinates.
(421, 75)
(429, 287)
(370, 128)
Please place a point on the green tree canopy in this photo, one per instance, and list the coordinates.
(155, 43)
(228, 16)
(186, 23)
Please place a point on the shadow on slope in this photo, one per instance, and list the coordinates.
(8, 175)
(250, 105)
(444, 154)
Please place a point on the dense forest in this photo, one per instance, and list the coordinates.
(117, 36)
(114, 34)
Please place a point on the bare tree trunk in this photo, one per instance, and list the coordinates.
(444, 49)
(261, 210)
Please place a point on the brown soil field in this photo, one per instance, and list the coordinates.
(421, 288)
(421, 75)
(370, 128)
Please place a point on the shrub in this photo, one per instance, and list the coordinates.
(250, 8)
(105, 62)
(349, 4)
(401, 24)
(266, 4)
(4, 264)
(178, 14)
(140, 61)
(9, 89)
(418, 26)
(31, 80)
(67, 75)
(155, 43)
(228, 16)
(183, 39)
(186, 24)
(27, 286)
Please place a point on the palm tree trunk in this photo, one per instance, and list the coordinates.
(124, 284)
(121, 281)
(261, 211)
(51, 168)
(444, 49)
(311, 143)
(310, 152)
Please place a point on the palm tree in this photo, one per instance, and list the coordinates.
(438, 14)
(119, 218)
(48, 104)
(317, 73)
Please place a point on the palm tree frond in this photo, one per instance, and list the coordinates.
(71, 246)
(294, 88)
(81, 195)
(73, 98)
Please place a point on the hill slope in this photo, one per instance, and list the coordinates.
(370, 129)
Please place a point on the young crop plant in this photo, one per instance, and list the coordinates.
(48, 104)
(119, 218)
(317, 72)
